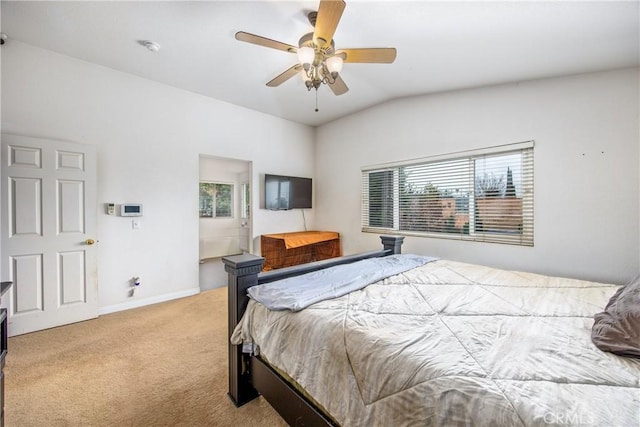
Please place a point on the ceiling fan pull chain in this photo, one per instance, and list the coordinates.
(316, 100)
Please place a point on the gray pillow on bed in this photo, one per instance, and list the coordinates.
(617, 328)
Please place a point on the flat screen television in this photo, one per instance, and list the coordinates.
(287, 192)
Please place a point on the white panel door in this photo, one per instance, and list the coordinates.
(48, 232)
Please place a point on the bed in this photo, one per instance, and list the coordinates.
(442, 343)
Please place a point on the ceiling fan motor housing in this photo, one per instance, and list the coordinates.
(321, 53)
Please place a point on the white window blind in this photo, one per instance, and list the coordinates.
(483, 195)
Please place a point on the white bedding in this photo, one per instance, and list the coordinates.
(449, 343)
(298, 292)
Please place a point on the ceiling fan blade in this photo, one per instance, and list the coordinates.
(380, 55)
(339, 87)
(329, 14)
(263, 41)
(277, 81)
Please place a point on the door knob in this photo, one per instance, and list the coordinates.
(90, 241)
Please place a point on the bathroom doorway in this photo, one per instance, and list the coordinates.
(224, 215)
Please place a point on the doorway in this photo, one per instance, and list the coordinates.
(225, 219)
(49, 229)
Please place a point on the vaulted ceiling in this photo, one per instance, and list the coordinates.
(441, 46)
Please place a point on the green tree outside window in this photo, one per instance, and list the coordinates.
(216, 200)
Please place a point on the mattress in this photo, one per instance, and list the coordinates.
(449, 344)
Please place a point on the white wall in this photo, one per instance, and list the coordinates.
(586, 130)
(149, 138)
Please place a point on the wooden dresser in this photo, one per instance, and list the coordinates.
(287, 249)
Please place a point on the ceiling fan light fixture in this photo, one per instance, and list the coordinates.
(334, 65)
(306, 56)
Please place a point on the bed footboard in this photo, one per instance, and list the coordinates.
(244, 271)
(242, 274)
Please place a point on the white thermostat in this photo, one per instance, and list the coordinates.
(131, 209)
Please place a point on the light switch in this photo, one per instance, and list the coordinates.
(136, 223)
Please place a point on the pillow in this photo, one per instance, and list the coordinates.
(617, 328)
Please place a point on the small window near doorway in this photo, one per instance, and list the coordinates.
(246, 200)
(216, 200)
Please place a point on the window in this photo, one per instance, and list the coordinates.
(483, 195)
(245, 202)
(216, 200)
(381, 198)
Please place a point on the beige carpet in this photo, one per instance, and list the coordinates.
(160, 365)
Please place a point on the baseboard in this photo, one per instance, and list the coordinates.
(135, 303)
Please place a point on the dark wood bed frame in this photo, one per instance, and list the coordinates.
(250, 376)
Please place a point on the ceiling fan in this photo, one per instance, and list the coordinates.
(317, 56)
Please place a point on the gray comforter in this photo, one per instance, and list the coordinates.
(454, 344)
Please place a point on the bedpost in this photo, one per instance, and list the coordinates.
(394, 243)
(243, 273)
